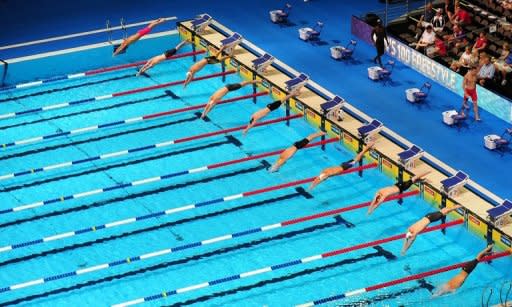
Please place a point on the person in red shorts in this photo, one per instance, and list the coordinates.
(469, 87)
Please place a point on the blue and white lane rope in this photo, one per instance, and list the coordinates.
(134, 150)
(165, 293)
(192, 245)
(89, 73)
(103, 97)
(140, 182)
(121, 122)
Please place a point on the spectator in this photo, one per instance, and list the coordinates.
(438, 22)
(481, 42)
(503, 64)
(487, 70)
(460, 16)
(438, 49)
(449, 8)
(457, 38)
(426, 19)
(462, 65)
(428, 38)
(475, 58)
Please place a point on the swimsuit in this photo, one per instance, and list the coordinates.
(170, 52)
(274, 105)
(301, 144)
(212, 59)
(471, 93)
(233, 86)
(403, 186)
(347, 164)
(144, 31)
(470, 266)
(434, 216)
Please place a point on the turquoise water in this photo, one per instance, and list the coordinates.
(293, 285)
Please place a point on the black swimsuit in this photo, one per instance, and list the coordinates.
(347, 164)
(434, 216)
(470, 266)
(212, 59)
(274, 105)
(403, 186)
(301, 144)
(170, 52)
(233, 86)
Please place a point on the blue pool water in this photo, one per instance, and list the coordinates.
(293, 285)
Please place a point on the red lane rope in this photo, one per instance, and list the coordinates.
(263, 155)
(285, 185)
(119, 67)
(350, 208)
(203, 105)
(154, 87)
(204, 135)
(434, 272)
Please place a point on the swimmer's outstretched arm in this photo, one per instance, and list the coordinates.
(379, 197)
(364, 151)
(420, 176)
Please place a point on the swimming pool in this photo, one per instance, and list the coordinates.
(193, 264)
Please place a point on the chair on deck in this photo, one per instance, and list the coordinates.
(281, 16)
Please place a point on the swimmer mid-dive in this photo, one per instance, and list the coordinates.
(135, 37)
(212, 59)
(162, 57)
(290, 151)
(269, 108)
(397, 188)
(223, 91)
(336, 170)
(456, 282)
(420, 225)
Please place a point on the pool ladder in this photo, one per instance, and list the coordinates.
(5, 65)
(109, 30)
(503, 295)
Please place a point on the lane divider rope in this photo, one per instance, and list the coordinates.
(167, 293)
(400, 280)
(121, 122)
(109, 96)
(128, 151)
(141, 182)
(90, 72)
(193, 245)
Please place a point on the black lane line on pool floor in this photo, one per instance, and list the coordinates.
(151, 228)
(276, 280)
(62, 89)
(109, 201)
(230, 140)
(385, 297)
(113, 106)
(165, 265)
(100, 138)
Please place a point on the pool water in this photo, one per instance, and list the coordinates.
(288, 286)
